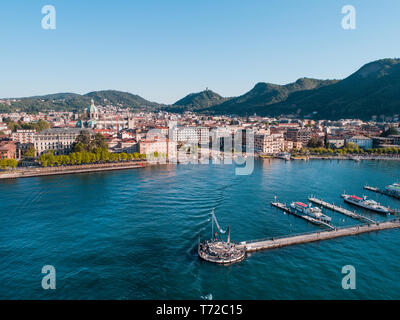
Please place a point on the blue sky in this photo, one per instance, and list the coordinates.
(165, 49)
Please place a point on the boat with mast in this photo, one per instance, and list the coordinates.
(217, 250)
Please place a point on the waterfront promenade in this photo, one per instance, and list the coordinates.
(63, 170)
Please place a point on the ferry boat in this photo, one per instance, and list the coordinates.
(393, 189)
(313, 212)
(364, 203)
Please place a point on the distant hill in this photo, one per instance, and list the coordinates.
(73, 101)
(121, 98)
(372, 90)
(200, 100)
(264, 94)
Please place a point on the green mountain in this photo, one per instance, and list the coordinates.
(372, 90)
(200, 100)
(265, 94)
(73, 101)
(125, 99)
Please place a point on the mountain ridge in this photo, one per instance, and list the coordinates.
(374, 89)
(72, 101)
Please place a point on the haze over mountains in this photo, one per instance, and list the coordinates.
(372, 90)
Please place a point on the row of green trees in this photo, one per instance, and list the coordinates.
(350, 150)
(99, 156)
(38, 126)
(8, 163)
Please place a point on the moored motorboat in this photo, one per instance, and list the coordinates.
(365, 203)
(313, 212)
(393, 189)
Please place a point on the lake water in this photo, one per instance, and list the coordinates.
(133, 234)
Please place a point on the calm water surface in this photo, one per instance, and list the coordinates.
(134, 234)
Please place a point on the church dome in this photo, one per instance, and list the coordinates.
(92, 109)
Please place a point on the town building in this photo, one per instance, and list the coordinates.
(268, 144)
(335, 142)
(61, 140)
(298, 135)
(161, 146)
(361, 141)
(292, 145)
(193, 135)
(95, 119)
(395, 139)
(8, 150)
(24, 136)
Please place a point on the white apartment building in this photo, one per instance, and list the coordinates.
(195, 135)
(24, 136)
(361, 141)
(269, 144)
(4, 128)
(161, 146)
(61, 140)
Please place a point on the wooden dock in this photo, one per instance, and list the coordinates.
(284, 208)
(252, 246)
(341, 210)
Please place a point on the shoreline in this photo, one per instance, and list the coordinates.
(353, 158)
(76, 169)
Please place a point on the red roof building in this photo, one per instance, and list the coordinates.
(8, 150)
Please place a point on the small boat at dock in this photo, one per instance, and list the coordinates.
(393, 189)
(284, 155)
(309, 210)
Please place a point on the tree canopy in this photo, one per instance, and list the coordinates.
(87, 142)
(315, 143)
(390, 131)
(30, 152)
(38, 126)
(8, 163)
(48, 159)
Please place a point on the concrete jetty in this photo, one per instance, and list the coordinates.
(252, 246)
(381, 191)
(341, 210)
(284, 208)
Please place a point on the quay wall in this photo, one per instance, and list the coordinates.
(51, 171)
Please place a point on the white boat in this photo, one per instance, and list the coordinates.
(393, 189)
(313, 212)
(366, 204)
(284, 155)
